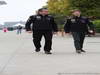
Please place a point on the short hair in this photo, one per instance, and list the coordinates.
(44, 9)
(72, 11)
(41, 9)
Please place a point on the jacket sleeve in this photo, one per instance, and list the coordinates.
(90, 24)
(67, 26)
(28, 24)
(54, 25)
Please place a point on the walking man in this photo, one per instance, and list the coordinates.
(78, 26)
(42, 25)
(19, 29)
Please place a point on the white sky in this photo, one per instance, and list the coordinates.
(19, 10)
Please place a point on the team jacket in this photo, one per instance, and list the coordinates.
(78, 24)
(39, 22)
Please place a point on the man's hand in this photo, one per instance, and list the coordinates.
(91, 31)
(29, 31)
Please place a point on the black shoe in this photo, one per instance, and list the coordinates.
(48, 52)
(78, 51)
(83, 51)
(37, 50)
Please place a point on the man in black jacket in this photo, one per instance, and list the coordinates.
(78, 26)
(42, 25)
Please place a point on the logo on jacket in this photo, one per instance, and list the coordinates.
(38, 17)
(73, 20)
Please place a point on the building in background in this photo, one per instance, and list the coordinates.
(11, 25)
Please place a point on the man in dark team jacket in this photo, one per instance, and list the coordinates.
(42, 25)
(78, 26)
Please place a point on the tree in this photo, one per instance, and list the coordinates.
(58, 7)
(61, 8)
(88, 7)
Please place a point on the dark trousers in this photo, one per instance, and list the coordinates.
(78, 39)
(19, 31)
(37, 35)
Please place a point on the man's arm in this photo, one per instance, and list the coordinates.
(28, 24)
(67, 26)
(90, 25)
(91, 28)
(54, 25)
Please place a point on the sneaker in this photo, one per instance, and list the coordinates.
(83, 51)
(78, 51)
(37, 50)
(48, 52)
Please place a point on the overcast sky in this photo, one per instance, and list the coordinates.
(17, 10)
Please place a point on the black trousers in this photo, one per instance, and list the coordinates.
(37, 35)
(78, 39)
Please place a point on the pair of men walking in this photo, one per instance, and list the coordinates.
(43, 24)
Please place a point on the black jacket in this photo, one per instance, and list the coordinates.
(78, 24)
(40, 22)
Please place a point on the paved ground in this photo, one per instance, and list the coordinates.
(17, 56)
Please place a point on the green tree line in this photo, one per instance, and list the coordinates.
(61, 8)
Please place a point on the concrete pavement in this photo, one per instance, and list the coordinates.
(17, 56)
